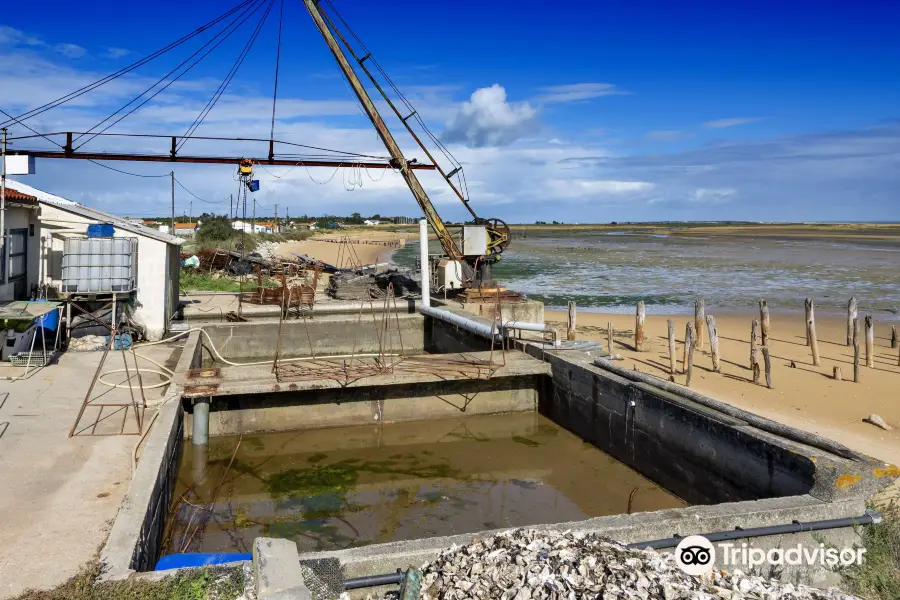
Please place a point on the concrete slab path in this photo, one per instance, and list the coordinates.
(60, 495)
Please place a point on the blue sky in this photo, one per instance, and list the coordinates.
(577, 112)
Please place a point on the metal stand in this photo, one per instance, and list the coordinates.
(89, 401)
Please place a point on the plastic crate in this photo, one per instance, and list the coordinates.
(101, 230)
(99, 265)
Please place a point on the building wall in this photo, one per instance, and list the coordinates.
(22, 218)
(157, 281)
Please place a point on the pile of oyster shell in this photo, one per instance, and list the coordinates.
(526, 564)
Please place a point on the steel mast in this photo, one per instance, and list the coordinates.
(397, 158)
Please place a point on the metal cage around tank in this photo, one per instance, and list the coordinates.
(99, 265)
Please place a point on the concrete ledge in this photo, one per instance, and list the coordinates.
(276, 566)
(386, 558)
(134, 540)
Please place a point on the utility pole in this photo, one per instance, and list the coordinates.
(172, 231)
(3, 205)
(275, 225)
(287, 217)
(253, 226)
(191, 209)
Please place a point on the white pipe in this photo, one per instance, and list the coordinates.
(488, 331)
(526, 326)
(423, 258)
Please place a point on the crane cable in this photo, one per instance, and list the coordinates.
(227, 81)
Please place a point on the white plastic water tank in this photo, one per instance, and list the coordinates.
(99, 265)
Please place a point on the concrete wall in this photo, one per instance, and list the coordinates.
(255, 413)
(327, 335)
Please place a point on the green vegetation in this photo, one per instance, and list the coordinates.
(193, 280)
(878, 578)
(209, 583)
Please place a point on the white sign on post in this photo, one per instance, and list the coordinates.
(19, 164)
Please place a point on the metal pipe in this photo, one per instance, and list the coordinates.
(526, 326)
(870, 517)
(200, 429)
(374, 580)
(488, 331)
(423, 258)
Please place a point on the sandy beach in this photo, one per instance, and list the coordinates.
(805, 396)
(338, 254)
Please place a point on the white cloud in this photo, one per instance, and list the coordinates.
(595, 189)
(713, 196)
(70, 50)
(16, 38)
(722, 123)
(115, 53)
(667, 135)
(487, 119)
(577, 91)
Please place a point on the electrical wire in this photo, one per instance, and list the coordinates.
(277, 63)
(196, 196)
(233, 26)
(228, 78)
(100, 82)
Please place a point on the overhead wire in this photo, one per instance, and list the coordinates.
(228, 78)
(196, 196)
(125, 70)
(277, 64)
(221, 36)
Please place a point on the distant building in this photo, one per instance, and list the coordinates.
(405, 220)
(185, 229)
(257, 227)
(372, 222)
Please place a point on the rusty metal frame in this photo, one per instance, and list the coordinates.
(139, 409)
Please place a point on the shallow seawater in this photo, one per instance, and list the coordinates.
(612, 271)
(335, 488)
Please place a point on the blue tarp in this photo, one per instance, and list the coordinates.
(199, 559)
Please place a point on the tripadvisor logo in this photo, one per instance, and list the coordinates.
(696, 555)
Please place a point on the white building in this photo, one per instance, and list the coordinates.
(372, 222)
(38, 230)
(257, 227)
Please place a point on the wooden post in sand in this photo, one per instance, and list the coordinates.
(836, 374)
(811, 339)
(671, 326)
(807, 305)
(570, 326)
(855, 339)
(713, 343)
(768, 366)
(764, 321)
(641, 315)
(870, 342)
(851, 317)
(690, 341)
(893, 336)
(754, 350)
(699, 320)
(609, 337)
